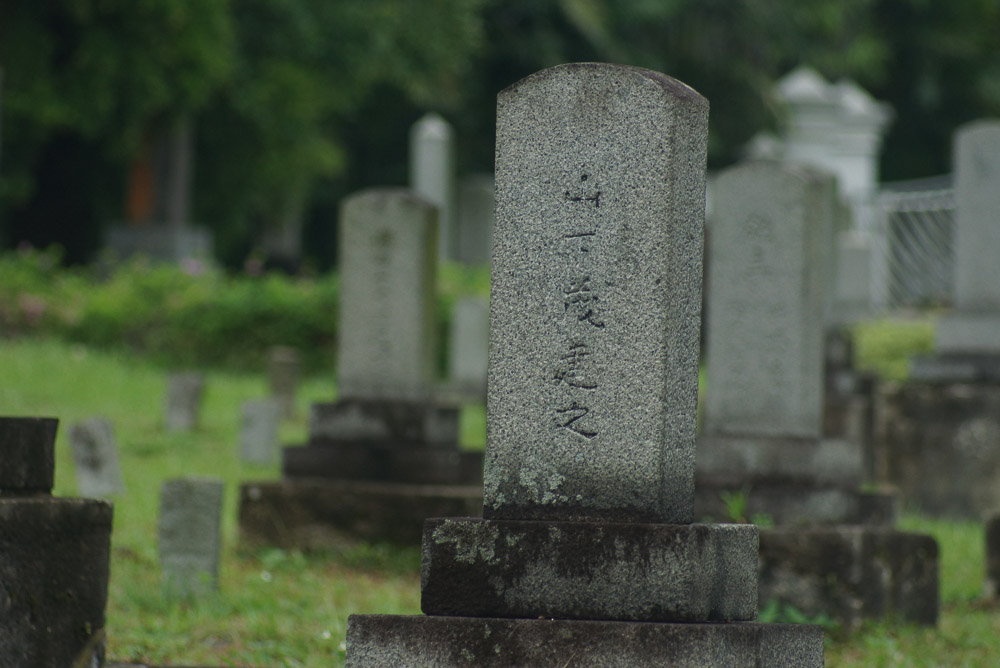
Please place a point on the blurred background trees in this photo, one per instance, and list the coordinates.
(295, 103)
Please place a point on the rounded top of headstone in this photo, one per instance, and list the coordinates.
(669, 85)
(804, 85)
(431, 126)
(772, 170)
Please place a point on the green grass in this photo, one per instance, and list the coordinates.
(278, 608)
(885, 346)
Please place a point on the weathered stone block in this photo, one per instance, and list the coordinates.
(937, 443)
(53, 580)
(374, 641)
(95, 455)
(851, 573)
(389, 423)
(312, 514)
(190, 535)
(27, 447)
(580, 570)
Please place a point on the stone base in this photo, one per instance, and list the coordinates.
(956, 368)
(361, 461)
(388, 640)
(937, 443)
(580, 570)
(797, 505)
(316, 514)
(851, 573)
(967, 332)
(168, 243)
(384, 422)
(54, 560)
(792, 481)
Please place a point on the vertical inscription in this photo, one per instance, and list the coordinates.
(581, 315)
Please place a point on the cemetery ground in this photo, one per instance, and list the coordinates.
(279, 608)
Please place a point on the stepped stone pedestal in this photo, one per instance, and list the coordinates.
(54, 556)
(586, 553)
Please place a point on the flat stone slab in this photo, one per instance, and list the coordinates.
(957, 368)
(791, 504)
(740, 460)
(54, 566)
(415, 641)
(315, 513)
(852, 573)
(362, 461)
(384, 422)
(583, 570)
(27, 448)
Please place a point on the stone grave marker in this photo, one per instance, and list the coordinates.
(586, 545)
(475, 219)
(259, 431)
(54, 556)
(385, 455)
(95, 453)
(432, 174)
(762, 433)
(388, 269)
(184, 394)
(190, 536)
(283, 368)
(470, 337)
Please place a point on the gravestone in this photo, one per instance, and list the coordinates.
(54, 557)
(763, 417)
(387, 450)
(283, 368)
(259, 431)
(469, 349)
(184, 393)
(591, 408)
(190, 536)
(432, 174)
(475, 219)
(95, 454)
(937, 433)
(762, 448)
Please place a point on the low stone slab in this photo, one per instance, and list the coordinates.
(386, 422)
(583, 570)
(739, 461)
(791, 504)
(360, 461)
(315, 514)
(956, 368)
(852, 573)
(395, 640)
(54, 566)
(27, 449)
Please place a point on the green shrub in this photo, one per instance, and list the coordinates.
(885, 346)
(191, 316)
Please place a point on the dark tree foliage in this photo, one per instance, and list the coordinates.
(299, 102)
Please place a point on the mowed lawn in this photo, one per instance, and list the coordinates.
(279, 608)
